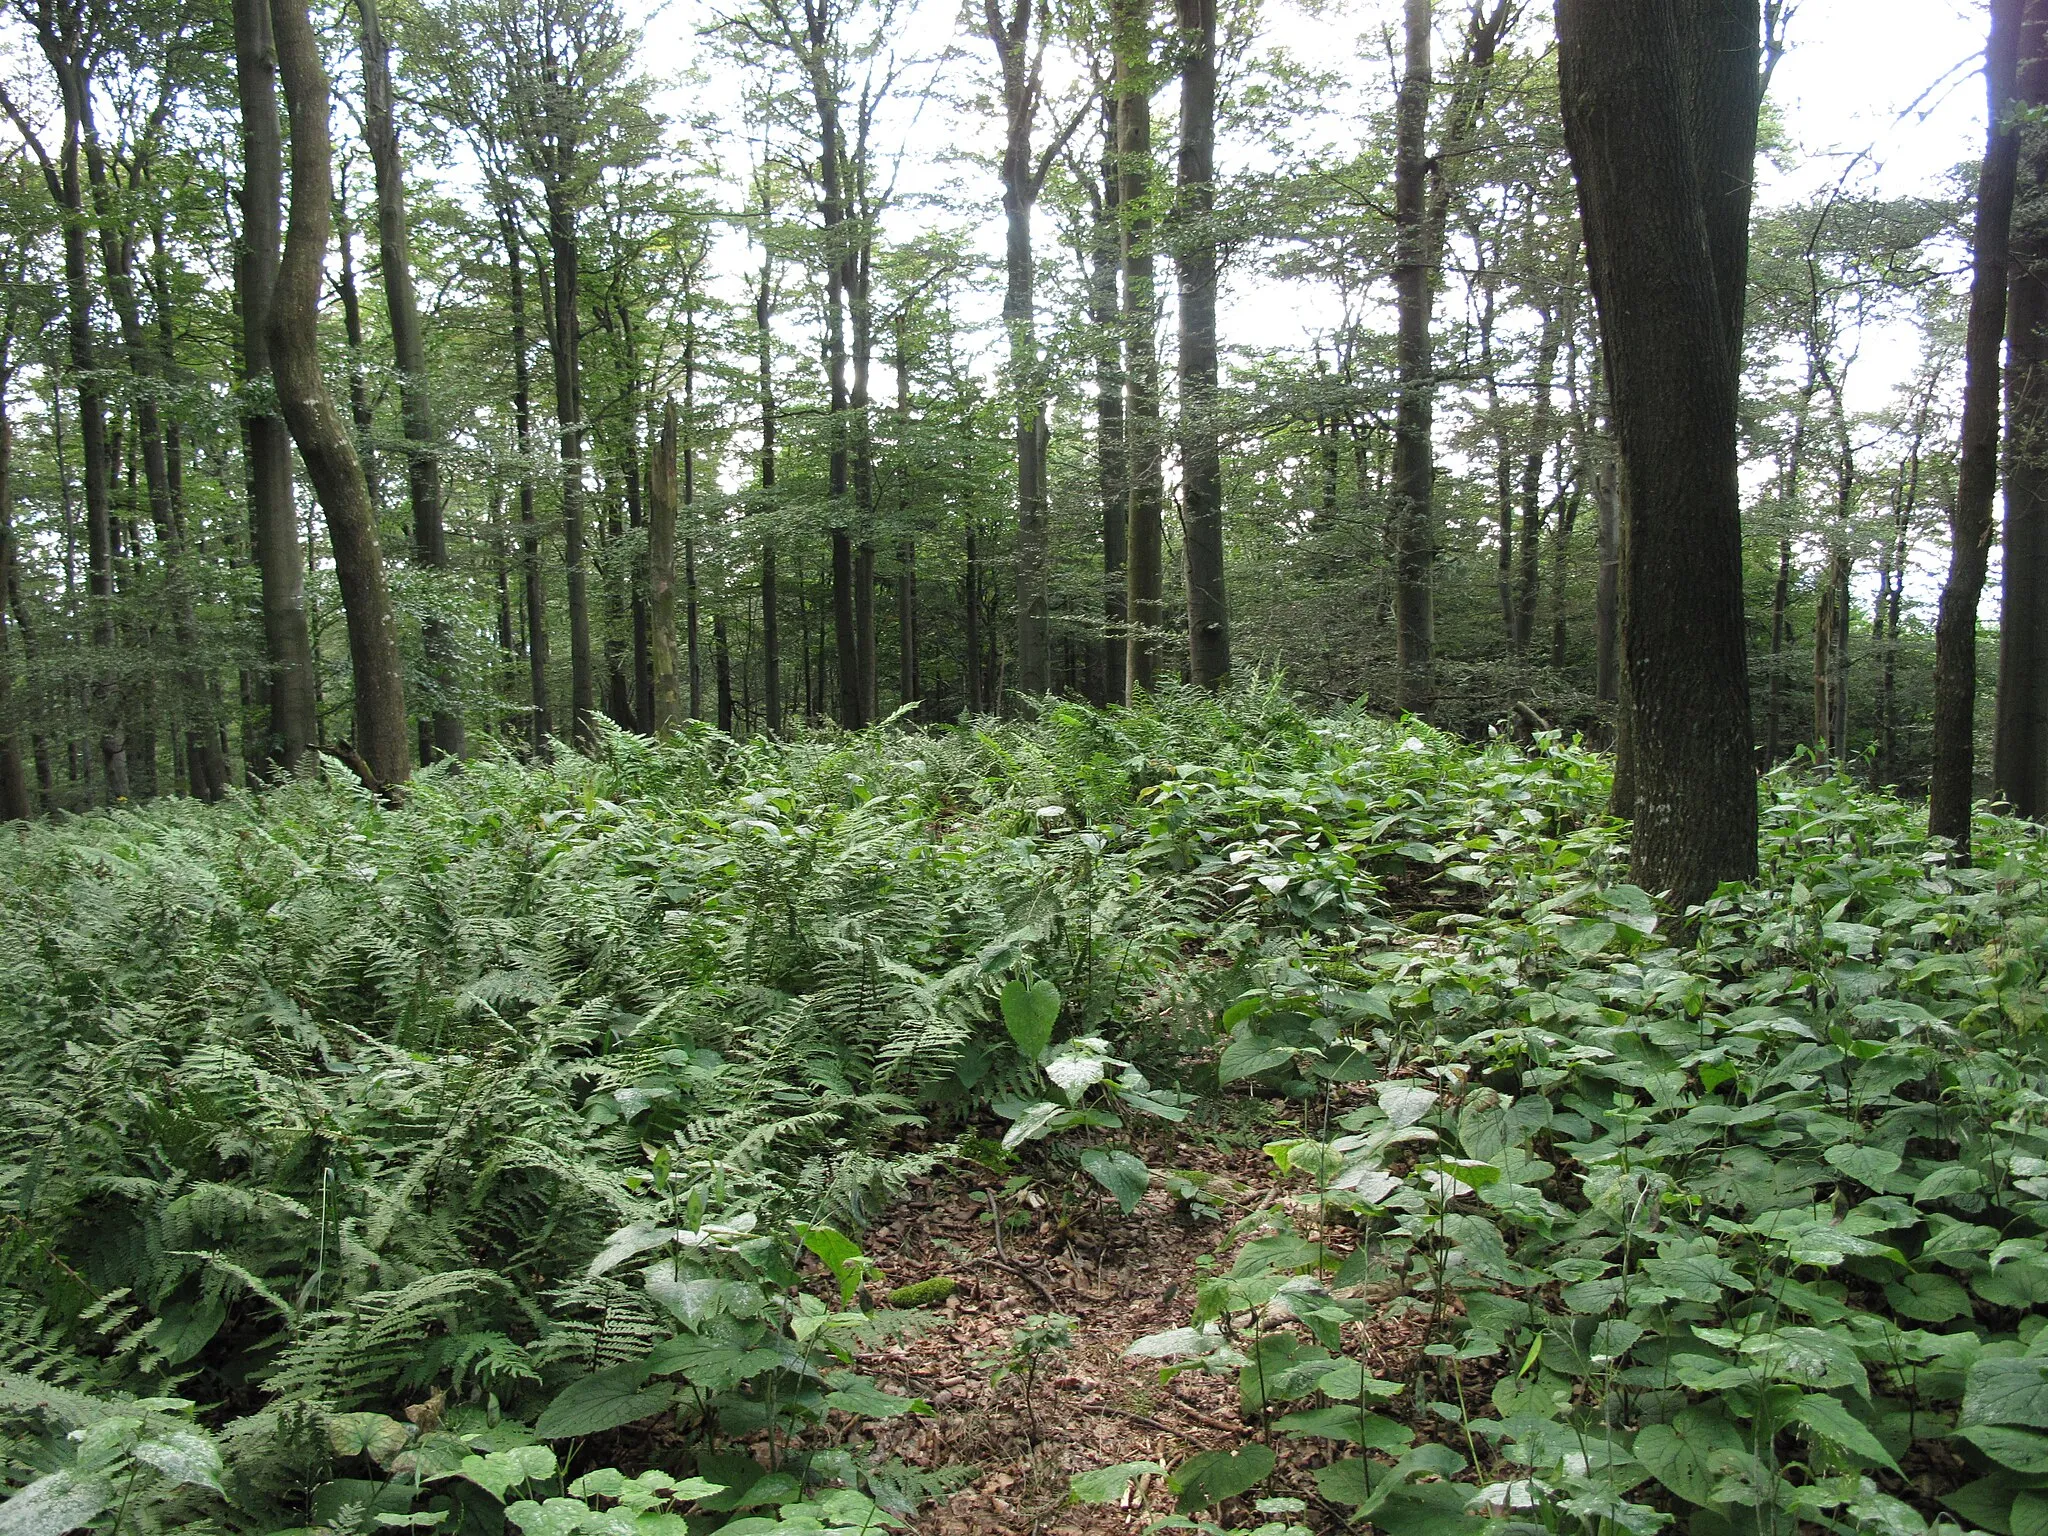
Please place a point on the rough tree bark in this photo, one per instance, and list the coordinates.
(1112, 454)
(1414, 454)
(533, 579)
(771, 626)
(1194, 259)
(1660, 105)
(2012, 256)
(1021, 177)
(1952, 785)
(14, 801)
(661, 579)
(1144, 469)
(409, 350)
(324, 439)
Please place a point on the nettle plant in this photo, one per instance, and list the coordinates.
(1093, 1086)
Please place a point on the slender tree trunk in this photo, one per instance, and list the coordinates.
(1021, 93)
(972, 671)
(1660, 119)
(1555, 318)
(661, 581)
(771, 603)
(533, 575)
(1112, 453)
(1781, 597)
(1145, 583)
(721, 661)
(864, 625)
(1414, 452)
(324, 439)
(359, 408)
(408, 345)
(1195, 264)
(909, 686)
(565, 336)
(14, 800)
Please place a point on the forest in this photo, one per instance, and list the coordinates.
(839, 766)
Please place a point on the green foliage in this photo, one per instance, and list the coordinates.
(367, 1163)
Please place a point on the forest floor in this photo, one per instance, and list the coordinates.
(1119, 1279)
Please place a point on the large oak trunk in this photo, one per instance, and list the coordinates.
(2020, 755)
(1660, 101)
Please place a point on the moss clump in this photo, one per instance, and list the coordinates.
(924, 1293)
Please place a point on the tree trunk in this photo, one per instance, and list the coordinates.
(1781, 596)
(2020, 757)
(1607, 595)
(661, 581)
(1952, 787)
(565, 335)
(1195, 265)
(1660, 120)
(14, 801)
(1021, 93)
(324, 439)
(1144, 483)
(721, 661)
(864, 626)
(972, 671)
(534, 577)
(1112, 453)
(1555, 318)
(409, 351)
(1414, 452)
(771, 621)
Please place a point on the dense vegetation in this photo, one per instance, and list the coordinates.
(372, 1166)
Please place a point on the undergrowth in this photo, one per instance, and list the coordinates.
(366, 1167)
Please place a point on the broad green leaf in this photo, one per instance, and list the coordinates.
(501, 1471)
(1586, 937)
(1828, 1420)
(603, 1400)
(626, 1242)
(840, 1255)
(1248, 1055)
(860, 1395)
(2030, 1514)
(1928, 1298)
(1030, 1009)
(1120, 1173)
(1985, 1503)
(2020, 1449)
(52, 1505)
(182, 1456)
(368, 1434)
(1870, 1166)
(1106, 1485)
(1353, 1426)
(1679, 1454)
(556, 1517)
(2006, 1392)
(1404, 1103)
(1032, 1124)
(1214, 1476)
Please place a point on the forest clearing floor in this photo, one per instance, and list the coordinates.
(1119, 1279)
